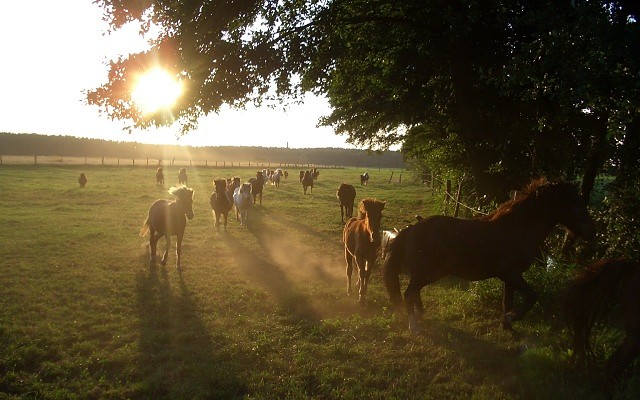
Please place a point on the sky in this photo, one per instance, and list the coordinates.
(52, 51)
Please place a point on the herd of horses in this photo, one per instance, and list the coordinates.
(500, 245)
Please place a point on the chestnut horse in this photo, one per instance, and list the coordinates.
(361, 238)
(502, 244)
(307, 181)
(591, 297)
(257, 184)
(346, 194)
(220, 202)
(167, 218)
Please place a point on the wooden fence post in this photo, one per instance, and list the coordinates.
(400, 179)
(102, 160)
(35, 160)
(391, 177)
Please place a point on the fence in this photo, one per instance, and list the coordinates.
(149, 162)
(432, 180)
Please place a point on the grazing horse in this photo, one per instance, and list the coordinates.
(502, 244)
(220, 202)
(243, 201)
(346, 194)
(82, 180)
(364, 179)
(160, 176)
(167, 218)
(361, 238)
(591, 297)
(257, 184)
(182, 176)
(307, 181)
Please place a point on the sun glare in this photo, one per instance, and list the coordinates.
(156, 90)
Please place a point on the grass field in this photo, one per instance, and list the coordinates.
(257, 312)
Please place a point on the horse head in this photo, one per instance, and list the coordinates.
(184, 200)
(371, 211)
(220, 185)
(572, 210)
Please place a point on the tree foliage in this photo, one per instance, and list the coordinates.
(496, 90)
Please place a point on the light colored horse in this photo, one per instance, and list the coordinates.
(275, 177)
(168, 218)
(243, 201)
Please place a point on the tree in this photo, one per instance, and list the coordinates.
(507, 89)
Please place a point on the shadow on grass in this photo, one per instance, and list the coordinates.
(179, 357)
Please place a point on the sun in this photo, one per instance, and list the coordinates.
(156, 90)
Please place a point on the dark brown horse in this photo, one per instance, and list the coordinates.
(307, 181)
(346, 194)
(257, 184)
(361, 238)
(82, 180)
(501, 245)
(167, 218)
(589, 300)
(182, 176)
(160, 176)
(220, 202)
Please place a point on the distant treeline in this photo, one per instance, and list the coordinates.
(44, 145)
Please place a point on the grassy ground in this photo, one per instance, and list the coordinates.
(257, 312)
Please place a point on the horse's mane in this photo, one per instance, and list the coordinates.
(368, 204)
(523, 200)
(179, 191)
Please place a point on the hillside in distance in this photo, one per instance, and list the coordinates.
(24, 144)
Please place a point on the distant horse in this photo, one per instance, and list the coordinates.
(257, 184)
(301, 175)
(82, 180)
(502, 244)
(160, 176)
(307, 181)
(361, 238)
(220, 202)
(243, 202)
(275, 177)
(315, 173)
(182, 176)
(591, 297)
(286, 175)
(167, 218)
(346, 194)
(364, 179)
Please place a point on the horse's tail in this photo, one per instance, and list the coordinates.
(145, 227)
(392, 267)
(588, 299)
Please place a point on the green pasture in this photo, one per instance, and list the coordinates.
(257, 312)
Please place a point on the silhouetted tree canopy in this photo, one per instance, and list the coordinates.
(496, 90)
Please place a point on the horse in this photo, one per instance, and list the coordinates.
(346, 194)
(160, 176)
(315, 173)
(388, 236)
(82, 179)
(168, 218)
(361, 238)
(502, 244)
(257, 184)
(307, 181)
(275, 177)
(364, 179)
(286, 175)
(220, 202)
(591, 296)
(301, 175)
(243, 201)
(182, 176)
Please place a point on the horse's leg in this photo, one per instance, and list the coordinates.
(510, 314)
(411, 299)
(349, 259)
(342, 212)
(364, 270)
(226, 216)
(152, 246)
(163, 262)
(179, 248)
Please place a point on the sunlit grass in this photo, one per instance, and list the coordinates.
(258, 312)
